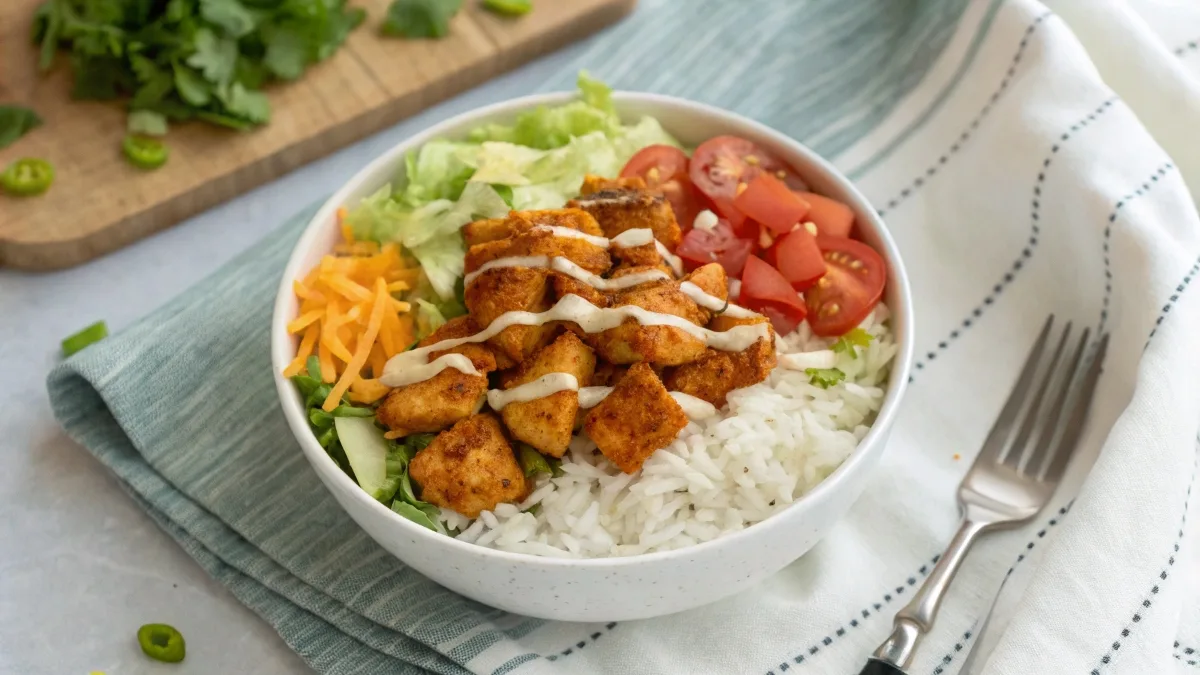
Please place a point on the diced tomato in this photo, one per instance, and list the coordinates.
(832, 218)
(721, 163)
(665, 168)
(764, 288)
(720, 245)
(798, 258)
(770, 202)
(854, 279)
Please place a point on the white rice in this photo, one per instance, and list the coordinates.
(778, 440)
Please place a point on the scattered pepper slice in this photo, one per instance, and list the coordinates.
(509, 7)
(27, 176)
(161, 642)
(93, 333)
(145, 153)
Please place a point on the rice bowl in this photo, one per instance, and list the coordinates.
(802, 451)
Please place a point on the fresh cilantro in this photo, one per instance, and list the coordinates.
(15, 122)
(824, 377)
(146, 123)
(848, 343)
(190, 59)
(420, 18)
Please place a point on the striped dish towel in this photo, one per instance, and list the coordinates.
(1027, 159)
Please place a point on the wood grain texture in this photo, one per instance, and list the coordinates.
(100, 203)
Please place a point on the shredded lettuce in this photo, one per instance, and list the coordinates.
(538, 162)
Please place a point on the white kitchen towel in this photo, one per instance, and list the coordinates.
(1040, 165)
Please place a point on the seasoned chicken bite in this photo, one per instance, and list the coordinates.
(607, 374)
(565, 285)
(723, 322)
(593, 184)
(646, 255)
(717, 373)
(620, 210)
(573, 219)
(637, 418)
(434, 404)
(480, 354)
(711, 279)
(469, 468)
(546, 423)
(538, 243)
(626, 270)
(632, 342)
(507, 289)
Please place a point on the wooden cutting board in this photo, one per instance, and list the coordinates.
(100, 203)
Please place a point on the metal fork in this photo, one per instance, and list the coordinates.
(1013, 477)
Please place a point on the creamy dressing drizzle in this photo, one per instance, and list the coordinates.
(569, 268)
(715, 304)
(542, 387)
(638, 236)
(419, 372)
(574, 309)
(694, 408)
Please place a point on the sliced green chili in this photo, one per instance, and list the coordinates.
(145, 153)
(509, 7)
(532, 461)
(161, 642)
(27, 176)
(93, 333)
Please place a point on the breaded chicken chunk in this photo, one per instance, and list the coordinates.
(717, 373)
(546, 423)
(637, 418)
(495, 229)
(646, 255)
(508, 289)
(711, 279)
(593, 184)
(632, 342)
(620, 210)
(587, 255)
(469, 468)
(481, 355)
(565, 285)
(433, 404)
(608, 374)
(723, 322)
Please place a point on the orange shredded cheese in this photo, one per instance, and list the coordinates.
(350, 319)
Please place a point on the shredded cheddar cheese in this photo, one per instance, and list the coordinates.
(349, 318)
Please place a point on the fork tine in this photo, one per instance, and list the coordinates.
(997, 438)
(1073, 428)
(1017, 450)
(1050, 422)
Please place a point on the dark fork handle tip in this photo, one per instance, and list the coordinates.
(875, 667)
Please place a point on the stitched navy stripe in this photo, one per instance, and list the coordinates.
(578, 646)
(1149, 597)
(1112, 219)
(1189, 661)
(917, 183)
(1031, 243)
(1189, 47)
(1175, 296)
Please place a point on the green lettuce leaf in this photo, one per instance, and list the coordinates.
(442, 262)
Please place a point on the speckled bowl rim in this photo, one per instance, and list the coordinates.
(283, 345)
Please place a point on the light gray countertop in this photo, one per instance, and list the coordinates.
(81, 567)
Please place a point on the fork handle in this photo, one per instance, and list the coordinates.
(916, 618)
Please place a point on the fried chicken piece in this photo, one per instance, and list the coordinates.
(717, 373)
(508, 289)
(632, 342)
(495, 229)
(546, 423)
(433, 404)
(565, 285)
(723, 322)
(587, 255)
(711, 279)
(469, 468)
(490, 229)
(620, 210)
(636, 419)
(607, 374)
(481, 354)
(646, 255)
(593, 184)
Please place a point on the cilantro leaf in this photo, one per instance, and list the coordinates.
(420, 18)
(146, 123)
(848, 343)
(15, 122)
(252, 106)
(824, 377)
(192, 88)
(230, 15)
(215, 56)
(287, 52)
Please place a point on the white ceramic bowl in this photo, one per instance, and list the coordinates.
(604, 589)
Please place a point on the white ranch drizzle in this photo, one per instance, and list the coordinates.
(592, 319)
(569, 268)
(713, 303)
(542, 387)
(694, 408)
(638, 236)
(419, 372)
